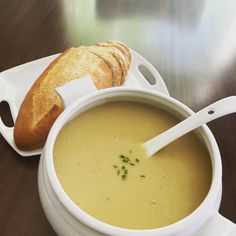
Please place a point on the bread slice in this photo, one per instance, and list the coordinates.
(42, 105)
(111, 60)
(121, 46)
(120, 53)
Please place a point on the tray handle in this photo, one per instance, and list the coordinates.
(7, 94)
(148, 76)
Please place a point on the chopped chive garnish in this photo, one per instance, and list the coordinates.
(126, 160)
(123, 176)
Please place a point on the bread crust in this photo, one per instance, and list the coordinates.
(42, 105)
(27, 136)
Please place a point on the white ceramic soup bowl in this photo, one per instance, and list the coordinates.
(68, 219)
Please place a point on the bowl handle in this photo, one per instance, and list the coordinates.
(217, 225)
(75, 89)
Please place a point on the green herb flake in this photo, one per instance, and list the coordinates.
(122, 156)
(118, 172)
(137, 160)
(142, 176)
(126, 171)
(115, 166)
(123, 167)
(131, 164)
(126, 160)
(123, 177)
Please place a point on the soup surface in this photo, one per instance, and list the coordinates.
(101, 165)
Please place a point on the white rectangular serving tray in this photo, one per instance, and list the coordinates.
(15, 83)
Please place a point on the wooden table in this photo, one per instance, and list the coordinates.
(191, 43)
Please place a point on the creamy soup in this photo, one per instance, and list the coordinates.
(102, 166)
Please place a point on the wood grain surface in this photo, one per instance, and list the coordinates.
(191, 43)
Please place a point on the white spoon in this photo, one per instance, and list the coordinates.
(209, 113)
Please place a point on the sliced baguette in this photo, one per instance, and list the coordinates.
(42, 105)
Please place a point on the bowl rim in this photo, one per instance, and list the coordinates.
(203, 211)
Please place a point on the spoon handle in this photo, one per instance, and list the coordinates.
(209, 113)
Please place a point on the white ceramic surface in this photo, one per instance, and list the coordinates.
(15, 82)
(67, 219)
